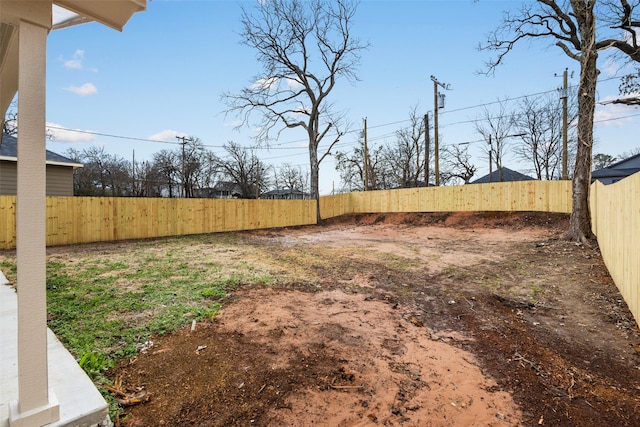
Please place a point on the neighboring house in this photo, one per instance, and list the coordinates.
(617, 171)
(508, 175)
(222, 190)
(284, 194)
(59, 170)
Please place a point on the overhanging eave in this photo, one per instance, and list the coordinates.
(112, 13)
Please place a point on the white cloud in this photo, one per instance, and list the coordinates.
(293, 84)
(608, 114)
(76, 62)
(265, 83)
(61, 134)
(233, 123)
(84, 90)
(167, 135)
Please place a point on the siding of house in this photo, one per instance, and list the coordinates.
(7, 178)
(59, 179)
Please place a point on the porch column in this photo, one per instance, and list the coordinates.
(36, 404)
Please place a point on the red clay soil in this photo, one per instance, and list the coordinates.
(405, 320)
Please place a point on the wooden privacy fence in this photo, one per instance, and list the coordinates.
(544, 196)
(615, 219)
(95, 219)
(615, 215)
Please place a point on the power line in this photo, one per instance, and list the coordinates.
(132, 138)
(280, 146)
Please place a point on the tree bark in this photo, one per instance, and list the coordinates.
(315, 195)
(580, 221)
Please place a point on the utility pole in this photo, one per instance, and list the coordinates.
(366, 157)
(436, 147)
(133, 174)
(564, 95)
(427, 142)
(565, 150)
(490, 159)
(184, 139)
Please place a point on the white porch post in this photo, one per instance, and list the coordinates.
(36, 404)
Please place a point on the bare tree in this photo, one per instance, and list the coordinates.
(209, 171)
(573, 24)
(496, 128)
(397, 164)
(103, 174)
(10, 123)
(199, 166)
(629, 153)
(406, 156)
(242, 167)
(290, 177)
(304, 47)
(351, 168)
(147, 180)
(539, 121)
(350, 165)
(168, 166)
(458, 164)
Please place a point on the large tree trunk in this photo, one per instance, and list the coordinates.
(580, 222)
(315, 193)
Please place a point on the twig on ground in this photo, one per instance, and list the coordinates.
(470, 304)
(570, 389)
(519, 358)
(348, 311)
(346, 387)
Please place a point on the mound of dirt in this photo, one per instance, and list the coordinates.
(517, 220)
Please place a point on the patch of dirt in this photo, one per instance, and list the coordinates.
(407, 320)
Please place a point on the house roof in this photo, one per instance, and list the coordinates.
(282, 191)
(229, 186)
(613, 173)
(507, 176)
(621, 169)
(9, 150)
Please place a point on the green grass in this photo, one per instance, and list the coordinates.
(103, 304)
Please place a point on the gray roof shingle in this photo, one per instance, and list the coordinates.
(507, 176)
(9, 148)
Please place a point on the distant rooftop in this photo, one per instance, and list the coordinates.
(508, 175)
(9, 151)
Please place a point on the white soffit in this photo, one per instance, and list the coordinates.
(63, 18)
(113, 13)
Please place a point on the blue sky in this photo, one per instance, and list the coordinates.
(164, 74)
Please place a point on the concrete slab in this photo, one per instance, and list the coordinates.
(81, 404)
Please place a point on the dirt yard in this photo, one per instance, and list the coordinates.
(404, 320)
